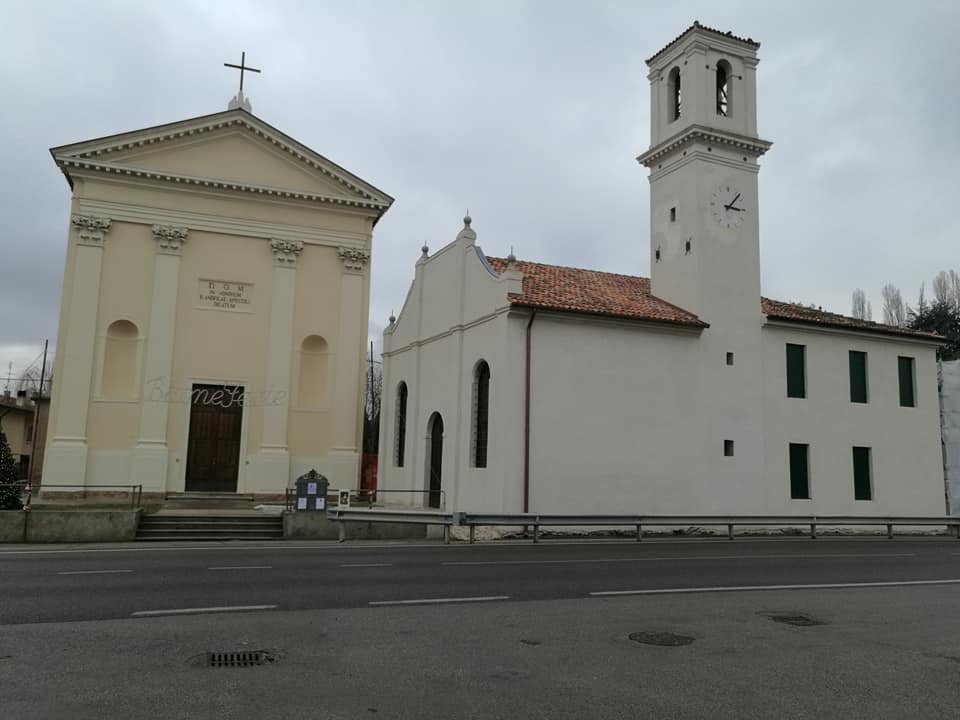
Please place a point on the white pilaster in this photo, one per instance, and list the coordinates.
(274, 460)
(351, 341)
(151, 455)
(65, 462)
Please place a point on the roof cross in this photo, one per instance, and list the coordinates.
(242, 67)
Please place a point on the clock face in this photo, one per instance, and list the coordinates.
(727, 206)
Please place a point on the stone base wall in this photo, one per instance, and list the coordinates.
(68, 526)
(316, 526)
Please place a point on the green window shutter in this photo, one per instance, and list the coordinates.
(858, 376)
(861, 474)
(799, 471)
(905, 372)
(796, 371)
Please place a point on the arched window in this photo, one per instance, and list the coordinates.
(481, 414)
(673, 83)
(119, 376)
(400, 426)
(724, 82)
(312, 388)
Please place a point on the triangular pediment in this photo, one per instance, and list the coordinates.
(232, 150)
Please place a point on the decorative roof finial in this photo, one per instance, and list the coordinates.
(425, 250)
(467, 219)
(393, 318)
(511, 258)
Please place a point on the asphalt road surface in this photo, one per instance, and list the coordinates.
(497, 630)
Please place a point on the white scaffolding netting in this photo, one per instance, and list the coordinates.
(950, 423)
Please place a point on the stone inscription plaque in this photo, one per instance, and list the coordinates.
(226, 295)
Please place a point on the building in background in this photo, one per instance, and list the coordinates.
(24, 422)
(214, 313)
(519, 386)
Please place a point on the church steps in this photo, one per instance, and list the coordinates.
(210, 527)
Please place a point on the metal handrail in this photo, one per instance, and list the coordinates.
(472, 520)
(291, 495)
(135, 491)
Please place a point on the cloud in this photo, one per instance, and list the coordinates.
(529, 113)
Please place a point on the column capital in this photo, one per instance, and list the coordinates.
(170, 238)
(354, 260)
(286, 252)
(91, 229)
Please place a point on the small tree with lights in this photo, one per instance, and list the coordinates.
(9, 477)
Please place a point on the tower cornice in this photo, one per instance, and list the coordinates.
(702, 134)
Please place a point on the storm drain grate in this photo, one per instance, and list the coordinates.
(244, 658)
(664, 639)
(797, 620)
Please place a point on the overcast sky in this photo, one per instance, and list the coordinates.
(530, 114)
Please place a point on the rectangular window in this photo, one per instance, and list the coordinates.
(799, 471)
(796, 371)
(28, 429)
(862, 489)
(728, 448)
(905, 372)
(858, 376)
(729, 358)
(673, 214)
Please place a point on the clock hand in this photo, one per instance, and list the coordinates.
(730, 207)
(732, 202)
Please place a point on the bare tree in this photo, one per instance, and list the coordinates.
(861, 308)
(941, 288)
(894, 311)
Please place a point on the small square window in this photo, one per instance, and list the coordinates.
(728, 448)
(673, 214)
(729, 358)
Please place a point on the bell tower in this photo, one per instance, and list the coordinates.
(703, 162)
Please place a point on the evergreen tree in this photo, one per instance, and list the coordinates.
(9, 493)
(941, 318)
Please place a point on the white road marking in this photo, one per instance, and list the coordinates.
(365, 565)
(92, 572)
(197, 611)
(437, 601)
(241, 567)
(670, 559)
(748, 588)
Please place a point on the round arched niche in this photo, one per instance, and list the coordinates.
(120, 351)
(312, 386)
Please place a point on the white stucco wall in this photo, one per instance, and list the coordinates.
(907, 473)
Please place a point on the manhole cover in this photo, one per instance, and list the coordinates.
(664, 639)
(243, 658)
(797, 620)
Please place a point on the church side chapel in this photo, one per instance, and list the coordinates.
(214, 311)
(518, 386)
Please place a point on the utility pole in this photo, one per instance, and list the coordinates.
(34, 453)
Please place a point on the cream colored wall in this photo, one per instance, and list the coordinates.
(14, 425)
(228, 239)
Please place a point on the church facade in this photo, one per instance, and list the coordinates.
(214, 311)
(514, 386)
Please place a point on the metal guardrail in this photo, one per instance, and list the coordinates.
(135, 491)
(362, 497)
(420, 517)
(472, 520)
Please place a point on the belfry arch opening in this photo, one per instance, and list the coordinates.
(676, 100)
(724, 85)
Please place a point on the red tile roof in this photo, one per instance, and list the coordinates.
(793, 312)
(553, 287)
(696, 24)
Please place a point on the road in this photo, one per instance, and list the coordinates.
(496, 630)
(56, 585)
